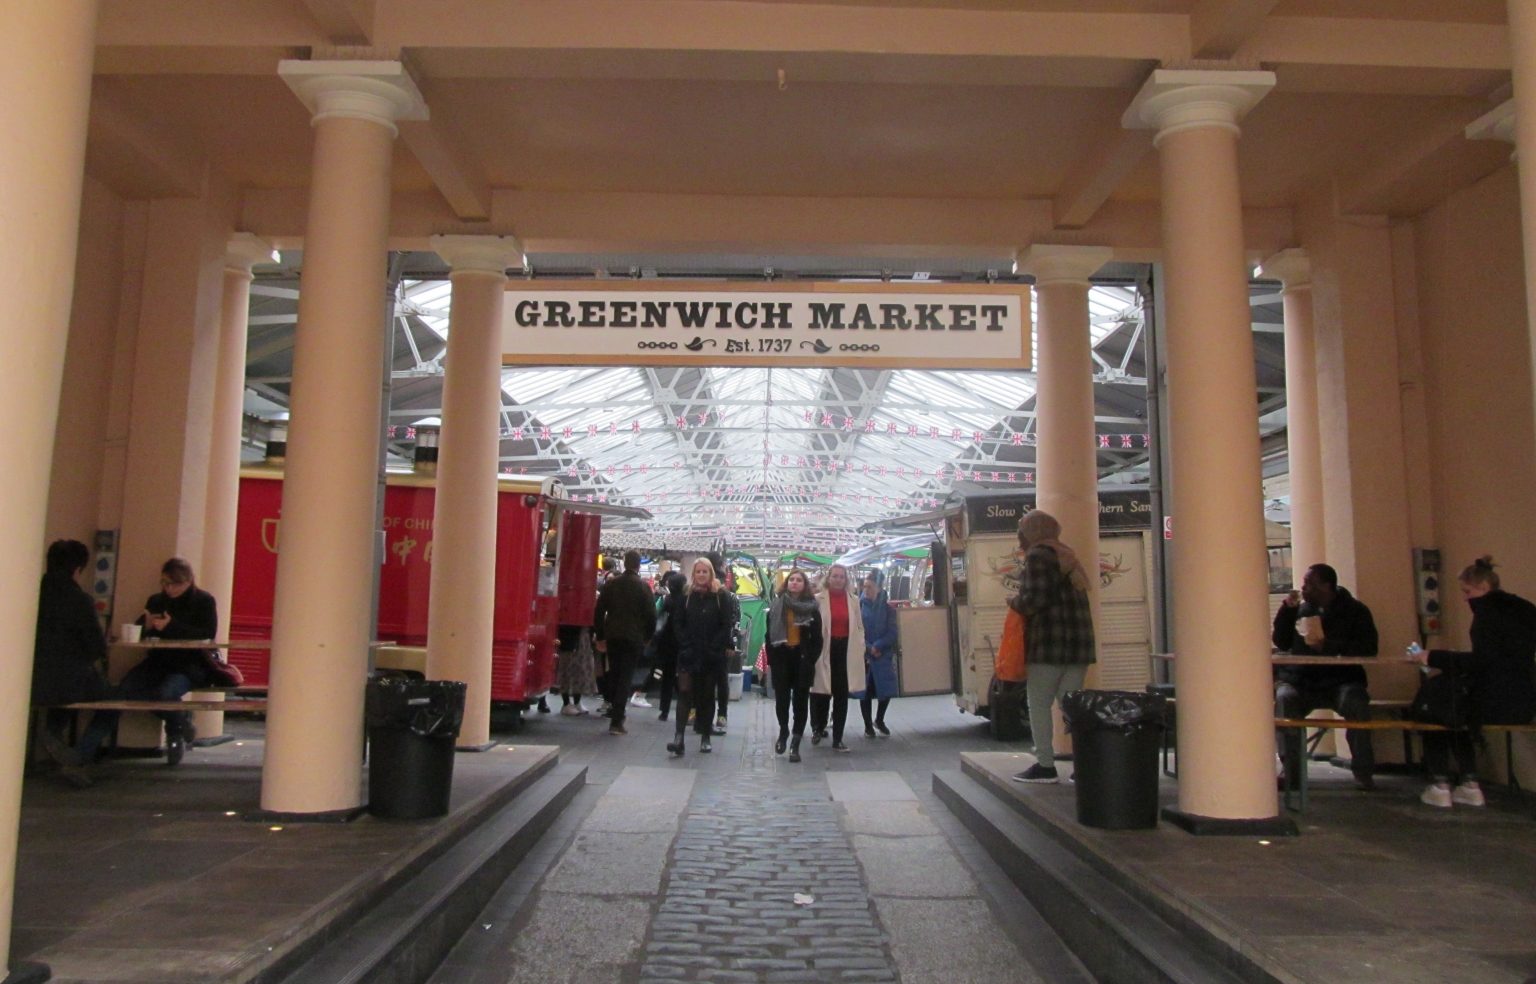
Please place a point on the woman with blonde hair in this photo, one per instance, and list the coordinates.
(1492, 684)
(703, 634)
(841, 658)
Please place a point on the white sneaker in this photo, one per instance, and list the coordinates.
(638, 700)
(1468, 794)
(571, 710)
(1437, 794)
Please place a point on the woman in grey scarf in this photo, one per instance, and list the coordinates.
(794, 642)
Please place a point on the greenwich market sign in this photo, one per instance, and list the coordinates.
(961, 326)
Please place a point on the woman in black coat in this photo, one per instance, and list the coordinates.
(1492, 684)
(665, 640)
(794, 643)
(703, 636)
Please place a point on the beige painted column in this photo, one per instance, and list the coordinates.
(1066, 462)
(45, 85)
(463, 599)
(326, 558)
(1219, 578)
(1522, 51)
(217, 574)
(1303, 433)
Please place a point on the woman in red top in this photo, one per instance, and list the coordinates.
(842, 656)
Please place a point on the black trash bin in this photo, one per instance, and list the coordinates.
(1116, 735)
(1008, 704)
(412, 728)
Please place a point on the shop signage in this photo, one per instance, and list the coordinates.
(961, 326)
(1131, 510)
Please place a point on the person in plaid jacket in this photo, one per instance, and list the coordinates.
(1059, 640)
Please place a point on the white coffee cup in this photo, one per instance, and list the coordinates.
(1304, 626)
(130, 632)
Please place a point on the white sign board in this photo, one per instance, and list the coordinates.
(962, 326)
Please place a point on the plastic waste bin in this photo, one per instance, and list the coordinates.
(412, 728)
(1116, 735)
(1009, 710)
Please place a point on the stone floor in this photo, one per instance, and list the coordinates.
(688, 869)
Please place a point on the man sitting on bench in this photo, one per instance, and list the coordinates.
(1324, 619)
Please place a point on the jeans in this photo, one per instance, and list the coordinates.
(837, 701)
(1350, 699)
(138, 684)
(1047, 683)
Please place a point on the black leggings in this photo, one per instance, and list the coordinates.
(837, 701)
(695, 690)
(793, 673)
(867, 699)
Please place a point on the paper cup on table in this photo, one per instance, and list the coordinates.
(130, 632)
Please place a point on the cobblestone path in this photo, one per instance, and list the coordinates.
(745, 848)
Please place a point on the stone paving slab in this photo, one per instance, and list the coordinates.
(888, 819)
(913, 867)
(848, 787)
(945, 941)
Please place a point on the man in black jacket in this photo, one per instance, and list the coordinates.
(624, 623)
(1326, 620)
(70, 654)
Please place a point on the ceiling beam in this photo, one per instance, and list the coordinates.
(440, 151)
(1367, 191)
(1218, 28)
(1097, 175)
(343, 21)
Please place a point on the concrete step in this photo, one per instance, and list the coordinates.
(1103, 920)
(412, 925)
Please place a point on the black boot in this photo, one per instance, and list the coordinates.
(778, 746)
(794, 749)
(676, 746)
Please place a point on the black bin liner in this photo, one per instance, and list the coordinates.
(1116, 736)
(412, 728)
(1009, 708)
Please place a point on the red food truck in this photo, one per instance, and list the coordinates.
(546, 574)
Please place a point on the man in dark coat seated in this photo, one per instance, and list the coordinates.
(1325, 620)
(70, 653)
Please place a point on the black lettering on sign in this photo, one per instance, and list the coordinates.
(526, 313)
(623, 314)
(994, 314)
(893, 316)
(592, 315)
(692, 313)
(655, 314)
(746, 315)
(928, 317)
(776, 315)
(826, 316)
(962, 317)
(861, 318)
(558, 315)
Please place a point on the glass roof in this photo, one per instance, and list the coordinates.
(779, 458)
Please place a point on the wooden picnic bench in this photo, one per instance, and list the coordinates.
(1407, 727)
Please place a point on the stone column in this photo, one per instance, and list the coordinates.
(1303, 435)
(217, 574)
(322, 621)
(463, 599)
(1219, 570)
(45, 85)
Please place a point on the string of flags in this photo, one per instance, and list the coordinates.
(846, 424)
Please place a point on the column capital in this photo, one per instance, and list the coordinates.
(479, 254)
(1496, 124)
(1292, 267)
(1063, 264)
(378, 91)
(1175, 99)
(245, 250)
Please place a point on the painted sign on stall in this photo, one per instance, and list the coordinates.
(944, 326)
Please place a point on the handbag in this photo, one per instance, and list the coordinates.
(222, 673)
(1009, 665)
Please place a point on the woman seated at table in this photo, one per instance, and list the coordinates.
(180, 610)
(1492, 684)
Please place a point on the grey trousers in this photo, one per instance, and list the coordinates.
(1047, 683)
